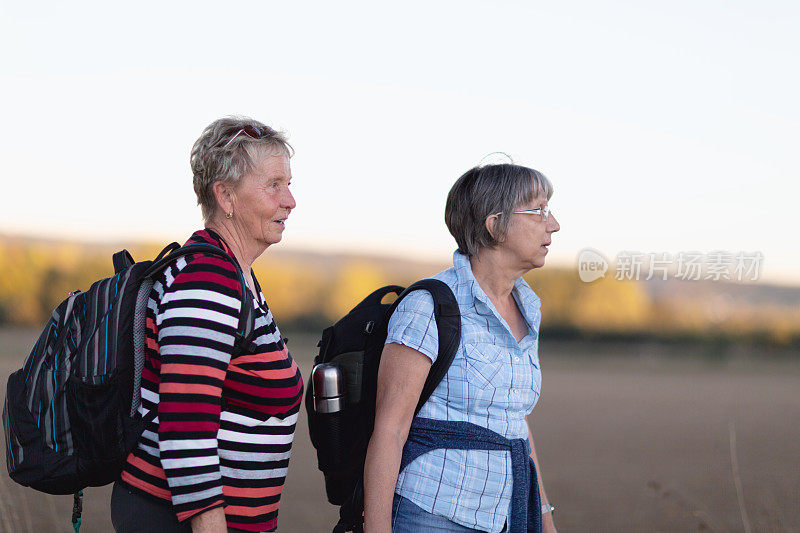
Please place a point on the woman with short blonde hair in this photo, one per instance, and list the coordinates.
(222, 402)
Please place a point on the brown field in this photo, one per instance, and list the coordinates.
(630, 440)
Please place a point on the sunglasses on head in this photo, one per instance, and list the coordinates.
(254, 132)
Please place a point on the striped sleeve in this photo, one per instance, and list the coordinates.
(197, 321)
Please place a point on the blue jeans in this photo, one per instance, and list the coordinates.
(407, 517)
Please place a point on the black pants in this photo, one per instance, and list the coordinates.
(133, 513)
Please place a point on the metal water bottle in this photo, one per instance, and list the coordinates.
(328, 386)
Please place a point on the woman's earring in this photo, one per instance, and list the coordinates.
(229, 215)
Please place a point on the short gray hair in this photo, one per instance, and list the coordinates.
(225, 153)
(487, 190)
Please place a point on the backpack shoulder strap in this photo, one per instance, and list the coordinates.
(174, 251)
(448, 325)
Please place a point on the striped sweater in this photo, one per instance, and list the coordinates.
(223, 432)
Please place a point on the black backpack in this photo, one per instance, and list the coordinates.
(355, 344)
(71, 413)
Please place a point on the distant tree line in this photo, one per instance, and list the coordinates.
(308, 295)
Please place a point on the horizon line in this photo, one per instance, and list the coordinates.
(422, 255)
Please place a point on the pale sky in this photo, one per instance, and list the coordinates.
(664, 126)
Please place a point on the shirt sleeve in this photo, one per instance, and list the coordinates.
(413, 324)
(197, 320)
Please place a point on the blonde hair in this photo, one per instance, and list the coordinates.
(224, 152)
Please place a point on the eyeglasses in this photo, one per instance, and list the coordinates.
(254, 132)
(543, 211)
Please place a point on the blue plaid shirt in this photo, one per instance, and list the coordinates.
(493, 382)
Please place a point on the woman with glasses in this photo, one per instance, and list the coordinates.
(468, 459)
(222, 409)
